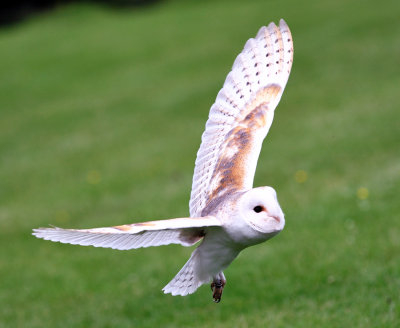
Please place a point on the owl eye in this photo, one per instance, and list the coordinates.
(258, 209)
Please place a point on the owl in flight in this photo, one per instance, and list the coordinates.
(226, 213)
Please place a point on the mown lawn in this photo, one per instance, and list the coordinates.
(101, 113)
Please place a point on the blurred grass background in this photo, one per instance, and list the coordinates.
(101, 113)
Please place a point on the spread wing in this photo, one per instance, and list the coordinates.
(184, 231)
(241, 116)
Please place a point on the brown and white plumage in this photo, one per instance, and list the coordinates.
(241, 116)
(226, 213)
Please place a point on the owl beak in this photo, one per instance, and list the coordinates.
(276, 218)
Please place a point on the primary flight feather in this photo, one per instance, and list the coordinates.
(226, 213)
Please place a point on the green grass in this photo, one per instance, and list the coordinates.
(101, 113)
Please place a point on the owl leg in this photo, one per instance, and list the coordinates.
(217, 286)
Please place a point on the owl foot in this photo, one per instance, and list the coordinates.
(217, 287)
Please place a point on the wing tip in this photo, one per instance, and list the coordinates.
(41, 232)
(282, 23)
(50, 234)
(271, 25)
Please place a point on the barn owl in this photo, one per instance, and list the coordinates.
(226, 213)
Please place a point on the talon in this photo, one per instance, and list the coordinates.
(217, 287)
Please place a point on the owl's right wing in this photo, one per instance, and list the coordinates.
(183, 231)
(241, 116)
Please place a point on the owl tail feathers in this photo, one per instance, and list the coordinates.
(186, 281)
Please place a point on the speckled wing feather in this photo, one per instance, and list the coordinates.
(241, 116)
(184, 231)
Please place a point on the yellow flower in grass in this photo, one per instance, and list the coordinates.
(93, 177)
(362, 193)
(300, 176)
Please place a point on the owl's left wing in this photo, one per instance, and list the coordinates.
(183, 231)
(241, 116)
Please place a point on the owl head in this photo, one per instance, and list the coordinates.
(260, 209)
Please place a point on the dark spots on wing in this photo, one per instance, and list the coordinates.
(226, 165)
(256, 117)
